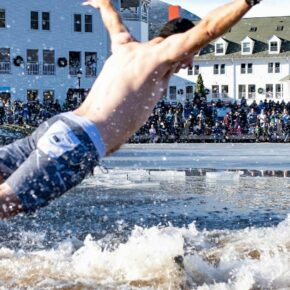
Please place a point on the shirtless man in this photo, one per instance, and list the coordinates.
(64, 149)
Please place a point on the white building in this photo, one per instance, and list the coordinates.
(46, 44)
(252, 60)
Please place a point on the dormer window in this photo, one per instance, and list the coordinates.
(219, 48)
(253, 29)
(274, 44)
(247, 45)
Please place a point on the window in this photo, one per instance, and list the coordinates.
(32, 95)
(270, 67)
(91, 64)
(45, 21)
(48, 62)
(250, 68)
(4, 54)
(189, 71)
(251, 91)
(88, 23)
(269, 90)
(216, 69)
(246, 68)
(32, 55)
(225, 91)
(74, 62)
(219, 69)
(242, 91)
(77, 22)
(48, 96)
(277, 67)
(280, 28)
(215, 91)
(279, 91)
(253, 29)
(5, 98)
(172, 92)
(5, 66)
(246, 47)
(243, 68)
(32, 65)
(219, 48)
(274, 46)
(2, 18)
(189, 92)
(196, 69)
(34, 20)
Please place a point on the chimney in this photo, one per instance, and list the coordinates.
(173, 12)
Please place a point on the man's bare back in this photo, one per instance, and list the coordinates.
(132, 80)
(65, 148)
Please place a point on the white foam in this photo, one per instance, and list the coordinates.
(256, 258)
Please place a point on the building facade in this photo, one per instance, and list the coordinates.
(252, 60)
(55, 49)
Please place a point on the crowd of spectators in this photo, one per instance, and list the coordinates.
(218, 121)
(195, 120)
(33, 113)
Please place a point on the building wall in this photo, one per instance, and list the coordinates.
(233, 77)
(61, 38)
(19, 37)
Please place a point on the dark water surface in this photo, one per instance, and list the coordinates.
(155, 220)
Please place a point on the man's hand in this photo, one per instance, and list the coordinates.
(96, 3)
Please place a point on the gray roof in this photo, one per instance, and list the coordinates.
(266, 28)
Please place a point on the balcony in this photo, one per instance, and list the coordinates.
(5, 67)
(32, 68)
(48, 69)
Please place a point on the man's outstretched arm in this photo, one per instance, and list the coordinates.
(118, 32)
(215, 24)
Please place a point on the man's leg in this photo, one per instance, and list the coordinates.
(13, 155)
(64, 155)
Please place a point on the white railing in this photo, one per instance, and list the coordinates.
(5, 67)
(48, 69)
(32, 68)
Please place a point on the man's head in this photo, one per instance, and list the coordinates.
(177, 25)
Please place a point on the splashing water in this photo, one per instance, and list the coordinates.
(157, 258)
